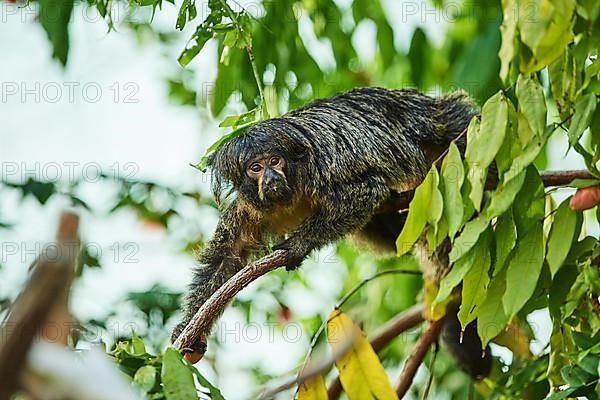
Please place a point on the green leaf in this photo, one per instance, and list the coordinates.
(195, 44)
(436, 202)
(527, 156)
(475, 282)
(177, 379)
(40, 190)
(483, 142)
(584, 110)
(588, 9)
(453, 175)
(583, 183)
(145, 378)
(187, 12)
(546, 32)
(215, 393)
(561, 236)
(500, 201)
(584, 341)
(467, 239)
(54, 15)
(203, 164)
(504, 196)
(492, 319)
(589, 364)
(563, 394)
(238, 120)
(137, 344)
(511, 146)
(561, 286)
(418, 213)
(529, 205)
(532, 104)
(508, 30)
(563, 80)
(591, 70)
(505, 235)
(578, 290)
(574, 375)
(523, 271)
(461, 268)
(205, 31)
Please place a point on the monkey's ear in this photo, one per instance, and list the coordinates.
(296, 148)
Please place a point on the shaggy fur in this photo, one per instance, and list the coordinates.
(344, 158)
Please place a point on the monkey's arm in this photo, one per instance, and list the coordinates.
(235, 238)
(343, 209)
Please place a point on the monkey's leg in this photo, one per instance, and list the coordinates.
(234, 240)
(343, 209)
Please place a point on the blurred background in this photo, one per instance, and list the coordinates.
(113, 134)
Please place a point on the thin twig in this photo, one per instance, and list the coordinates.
(311, 372)
(375, 276)
(247, 46)
(343, 300)
(413, 362)
(436, 348)
(437, 160)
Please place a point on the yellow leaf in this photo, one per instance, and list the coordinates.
(433, 310)
(361, 374)
(313, 389)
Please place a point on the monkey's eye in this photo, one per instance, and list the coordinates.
(256, 167)
(275, 160)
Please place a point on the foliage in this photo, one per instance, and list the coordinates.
(167, 377)
(534, 69)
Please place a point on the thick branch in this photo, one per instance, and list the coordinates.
(401, 201)
(383, 336)
(45, 295)
(219, 299)
(399, 324)
(559, 178)
(429, 336)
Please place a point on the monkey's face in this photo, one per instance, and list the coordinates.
(267, 172)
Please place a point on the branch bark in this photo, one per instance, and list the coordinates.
(401, 201)
(558, 178)
(219, 299)
(429, 336)
(43, 300)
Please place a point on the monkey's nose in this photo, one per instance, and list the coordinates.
(270, 181)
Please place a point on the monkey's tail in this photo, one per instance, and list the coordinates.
(453, 112)
(207, 278)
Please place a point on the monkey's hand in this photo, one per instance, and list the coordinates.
(196, 351)
(297, 250)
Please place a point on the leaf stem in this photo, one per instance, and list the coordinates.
(248, 47)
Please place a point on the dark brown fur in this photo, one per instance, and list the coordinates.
(346, 158)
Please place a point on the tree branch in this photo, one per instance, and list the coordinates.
(217, 302)
(44, 297)
(219, 299)
(429, 336)
(558, 178)
(401, 201)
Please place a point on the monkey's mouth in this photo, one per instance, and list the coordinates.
(277, 193)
